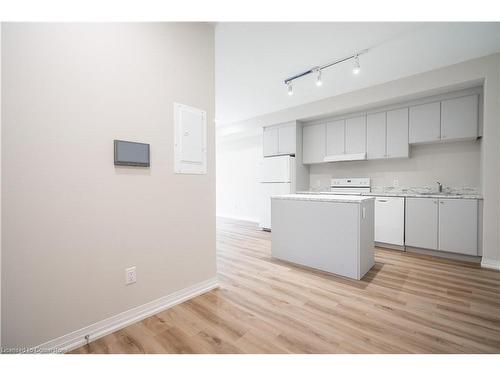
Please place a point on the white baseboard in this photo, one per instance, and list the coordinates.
(104, 327)
(242, 218)
(444, 254)
(490, 263)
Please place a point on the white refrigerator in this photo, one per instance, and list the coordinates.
(277, 178)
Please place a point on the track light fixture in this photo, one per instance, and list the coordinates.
(318, 70)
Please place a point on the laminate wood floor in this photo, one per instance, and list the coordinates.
(407, 303)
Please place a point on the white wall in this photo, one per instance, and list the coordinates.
(466, 74)
(72, 221)
(455, 164)
(238, 163)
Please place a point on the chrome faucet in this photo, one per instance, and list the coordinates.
(440, 186)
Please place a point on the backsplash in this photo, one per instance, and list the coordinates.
(455, 165)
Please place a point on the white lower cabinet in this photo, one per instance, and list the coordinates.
(421, 229)
(458, 226)
(442, 224)
(390, 220)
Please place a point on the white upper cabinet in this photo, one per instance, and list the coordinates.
(313, 143)
(459, 118)
(376, 136)
(450, 119)
(425, 123)
(421, 226)
(355, 135)
(270, 141)
(287, 139)
(335, 137)
(388, 133)
(397, 133)
(458, 226)
(279, 140)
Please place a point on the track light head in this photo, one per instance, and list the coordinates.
(356, 67)
(319, 82)
(289, 88)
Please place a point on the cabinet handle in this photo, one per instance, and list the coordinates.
(441, 202)
(381, 200)
(435, 202)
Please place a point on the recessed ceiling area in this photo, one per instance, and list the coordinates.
(253, 59)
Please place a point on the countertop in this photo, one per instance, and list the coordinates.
(399, 194)
(322, 197)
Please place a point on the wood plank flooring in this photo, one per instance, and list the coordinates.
(408, 303)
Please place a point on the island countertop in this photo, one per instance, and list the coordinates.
(325, 198)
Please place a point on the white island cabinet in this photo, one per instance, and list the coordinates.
(332, 233)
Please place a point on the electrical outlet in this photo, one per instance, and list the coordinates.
(130, 275)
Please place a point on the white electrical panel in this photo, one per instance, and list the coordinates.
(190, 139)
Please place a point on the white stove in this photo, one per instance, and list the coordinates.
(354, 186)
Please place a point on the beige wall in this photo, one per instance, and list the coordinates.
(466, 74)
(72, 220)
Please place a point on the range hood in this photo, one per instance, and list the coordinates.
(345, 157)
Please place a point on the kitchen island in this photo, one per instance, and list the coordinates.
(332, 233)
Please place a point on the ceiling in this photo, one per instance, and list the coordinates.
(253, 59)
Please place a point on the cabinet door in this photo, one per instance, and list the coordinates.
(421, 227)
(335, 137)
(270, 141)
(376, 135)
(313, 143)
(286, 140)
(397, 133)
(425, 123)
(459, 118)
(355, 135)
(458, 226)
(390, 220)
